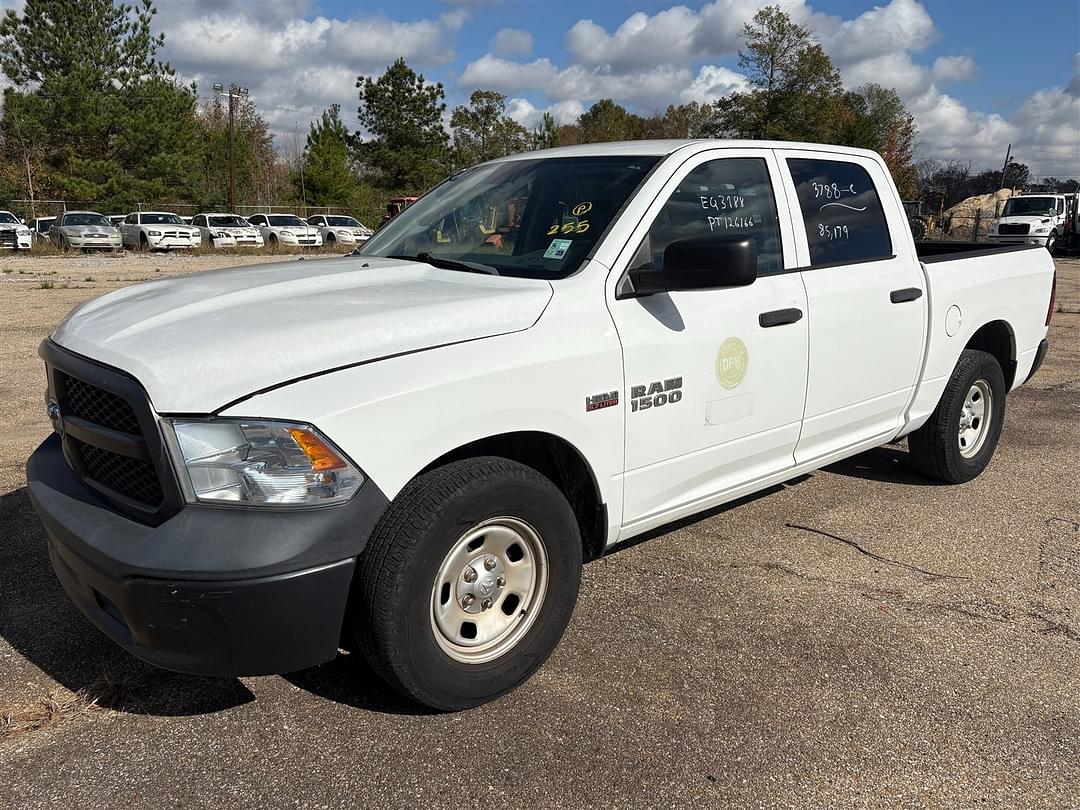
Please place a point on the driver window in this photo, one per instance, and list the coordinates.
(731, 196)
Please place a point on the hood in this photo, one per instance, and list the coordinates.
(306, 230)
(108, 230)
(200, 342)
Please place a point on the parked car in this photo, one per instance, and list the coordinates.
(227, 231)
(14, 233)
(340, 229)
(424, 441)
(39, 228)
(158, 230)
(116, 220)
(286, 229)
(84, 230)
(1031, 219)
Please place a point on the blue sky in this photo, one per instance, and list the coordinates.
(977, 74)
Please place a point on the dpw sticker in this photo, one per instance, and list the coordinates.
(598, 401)
(731, 362)
(655, 394)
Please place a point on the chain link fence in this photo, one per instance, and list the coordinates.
(29, 209)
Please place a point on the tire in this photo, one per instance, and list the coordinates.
(941, 448)
(407, 590)
(272, 240)
(144, 243)
(918, 229)
(330, 239)
(1051, 243)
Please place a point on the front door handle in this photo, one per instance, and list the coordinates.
(906, 294)
(779, 317)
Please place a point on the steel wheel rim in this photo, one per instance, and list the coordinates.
(473, 617)
(975, 418)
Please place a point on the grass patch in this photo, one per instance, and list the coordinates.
(46, 285)
(47, 712)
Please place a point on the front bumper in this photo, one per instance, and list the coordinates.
(87, 244)
(172, 243)
(212, 590)
(1019, 239)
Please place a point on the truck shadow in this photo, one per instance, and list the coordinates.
(887, 464)
(40, 623)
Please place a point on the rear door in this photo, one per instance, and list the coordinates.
(866, 298)
(715, 390)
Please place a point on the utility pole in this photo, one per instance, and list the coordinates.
(1008, 157)
(235, 92)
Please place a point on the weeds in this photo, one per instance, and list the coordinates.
(46, 285)
(48, 711)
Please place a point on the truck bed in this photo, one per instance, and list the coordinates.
(941, 250)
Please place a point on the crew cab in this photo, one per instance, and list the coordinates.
(158, 230)
(227, 231)
(1031, 219)
(421, 443)
(286, 229)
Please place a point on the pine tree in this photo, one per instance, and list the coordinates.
(120, 127)
(328, 176)
(408, 150)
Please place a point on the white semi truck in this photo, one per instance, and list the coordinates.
(421, 443)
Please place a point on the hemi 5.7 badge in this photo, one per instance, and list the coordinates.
(598, 401)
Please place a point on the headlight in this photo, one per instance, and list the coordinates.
(1041, 230)
(260, 462)
(153, 233)
(221, 235)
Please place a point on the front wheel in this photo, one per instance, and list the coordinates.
(1051, 242)
(468, 582)
(959, 439)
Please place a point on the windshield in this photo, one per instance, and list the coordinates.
(161, 219)
(289, 221)
(228, 222)
(1029, 206)
(7, 218)
(343, 222)
(527, 218)
(84, 219)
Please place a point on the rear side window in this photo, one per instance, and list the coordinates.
(841, 210)
(730, 196)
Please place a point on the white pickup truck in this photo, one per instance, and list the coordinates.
(422, 442)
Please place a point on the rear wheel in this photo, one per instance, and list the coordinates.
(958, 441)
(468, 582)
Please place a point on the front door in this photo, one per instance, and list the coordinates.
(714, 379)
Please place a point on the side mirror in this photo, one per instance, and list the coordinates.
(701, 263)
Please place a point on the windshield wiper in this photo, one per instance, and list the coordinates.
(450, 264)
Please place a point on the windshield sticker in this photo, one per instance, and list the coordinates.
(569, 227)
(557, 249)
(581, 209)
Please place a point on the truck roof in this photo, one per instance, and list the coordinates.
(690, 145)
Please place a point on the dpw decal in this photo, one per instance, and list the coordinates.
(655, 394)
(598, 401)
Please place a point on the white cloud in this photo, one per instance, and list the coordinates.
(511, 42)
(641, 41)
(954, 69)
(714, 82)
(525, 113)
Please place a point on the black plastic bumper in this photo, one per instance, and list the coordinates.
(212, 590)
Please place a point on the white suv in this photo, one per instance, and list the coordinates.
(340, 229)
(286, 229)
(13, 232)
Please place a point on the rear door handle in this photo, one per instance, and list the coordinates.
(906, 294)
(779, 317)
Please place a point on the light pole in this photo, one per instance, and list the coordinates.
(235, 92)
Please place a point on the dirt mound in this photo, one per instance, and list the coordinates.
(987, 206)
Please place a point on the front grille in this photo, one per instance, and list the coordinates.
(1013, 229)
(131, 477)
(8, 238)
(99, 406)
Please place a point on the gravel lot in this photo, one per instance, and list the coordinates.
(927, 653)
